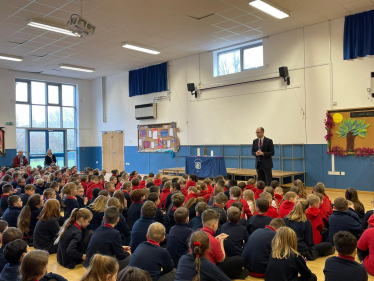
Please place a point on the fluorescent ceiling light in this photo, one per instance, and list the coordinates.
(140, 48)
(76, 68)
(51, 27)
(10, 57)
(270, 9)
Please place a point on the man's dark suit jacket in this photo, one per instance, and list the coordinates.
(268, 149)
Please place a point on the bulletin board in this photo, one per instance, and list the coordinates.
(350, 131)
(158, 137)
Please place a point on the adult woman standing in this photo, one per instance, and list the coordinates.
(50, 158)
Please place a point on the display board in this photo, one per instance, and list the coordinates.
(350, 131)
(158, 137)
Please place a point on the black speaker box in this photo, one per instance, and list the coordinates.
(191, 87)
(283, 71)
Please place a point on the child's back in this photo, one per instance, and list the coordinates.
(11, 215)
(366, 243)
(237, 236)
(285, 208)
(68, 247)
(258, 221)
(134, 213)
(196, 223)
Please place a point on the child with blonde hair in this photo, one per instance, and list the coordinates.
(101, 268)
(249, 196)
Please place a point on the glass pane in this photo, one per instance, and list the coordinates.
(38, 116)
(22, 115)
(68, 117)
(229, 62)
(21, 92)
(253, 57)
(60, 161)
(67, 95)
(54, 117)
(34, 162)
(71, 139)
(37, 92)
(53, 95)
(37, 143)
(71, 159)
(21, 139)
(56, 142)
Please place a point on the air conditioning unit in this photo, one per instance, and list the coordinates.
(146, 111)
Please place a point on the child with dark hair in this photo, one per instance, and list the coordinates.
(344, 267)
(196, 222)
(137, 196)
(70, 190)
(192, 180)
(178, 235)
(94, 183)
(237, 234)
(107, 241)
(261, 219)
(177, 202)
(131, 273)
(9, 235)
(194, 265)
(157, 258)
(154, 197)
(121, 226)
(12, 212)
(260, 188)
(3, 227)
(29, 190)
(13, 254)
(95, 194)
(7, 191)
(219, 204)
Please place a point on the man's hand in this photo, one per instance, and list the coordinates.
(259, 152)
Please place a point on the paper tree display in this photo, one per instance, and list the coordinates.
(350, 129)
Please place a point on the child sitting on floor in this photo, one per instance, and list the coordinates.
(70, 202)
(196, 222)
(101, 268)
(235, 195)
(220, 201)
(260, 188)
(278, 194)
(313, 213)
(14, 209)
(249, 196)
(272, 212)
(13, 254)
(261, 219)
(137, 196)
(290, 198)
(177, 202)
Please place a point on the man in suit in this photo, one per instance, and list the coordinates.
(263, 149)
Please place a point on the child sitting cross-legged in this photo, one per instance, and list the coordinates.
(195, 265)
(137, 196)
(261, 219)
(121, 226)
(97, 209)
(196, 222)
(313, 213)
(290, 199)
(272, 212)
(220, 201)
(157, 258)
(13, 254)
(235, 196)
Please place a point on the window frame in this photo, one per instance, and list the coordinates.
(241, 54)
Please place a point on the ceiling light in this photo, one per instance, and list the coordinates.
(51, 27)
(270, 9)
(140, 48)
(10, 57)
(77, 68)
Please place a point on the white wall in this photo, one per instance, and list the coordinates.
(7, 104)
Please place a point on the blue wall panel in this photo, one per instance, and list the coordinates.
(138, 161)
(216, 150)
(7, 159)
(158, 161)
(231, 150)
(232, 163)
(88, 156)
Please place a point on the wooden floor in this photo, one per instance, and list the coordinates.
(316, 266)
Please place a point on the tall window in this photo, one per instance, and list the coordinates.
(239, 59)
(46, 118)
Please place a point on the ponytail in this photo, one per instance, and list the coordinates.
(298, 212)
(199, 244)
(196, 252)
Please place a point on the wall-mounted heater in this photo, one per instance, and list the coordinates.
(146, 111)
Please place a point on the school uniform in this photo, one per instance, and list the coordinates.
(4, 203)
(191, 195)
(30, 180)
(128, 199)
(246, 210)
(168, 199)
(51, 276)
(106, 241)
(123, 228)
(20, 189)
(97, 219)
(221, 212)
(234, 242)
(243, 222)
(366, 243)
(365, 219)
(70, 250)
(85, 186)
(70, 204)
(189, 184)
(24, 198)
(257, 193)
(177, 244)
(45, 234)
(159, 217)
(80, 201)
(257, 251)
(251, 187)
(258, 221)
(196, 223)
(14, 184)
(134, 213)
(39, 189)
(3, 262)
(344, 268)
(272, 212)
(288, 269)
(10, 272)
(169, 220)
(208, 271)
(285, 208)
(205, 194)
(164, 194)
(157, 258)
(314, 216)
(278, 198)
(33, 220)
(90, 187)
(354, 215)
(339, 221)
(157, 182)
(192, 211)
(139, 232)
(11, 215)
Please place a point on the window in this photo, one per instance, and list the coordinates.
(46, 109)
(239, 59)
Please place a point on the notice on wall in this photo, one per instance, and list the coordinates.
(155, 134)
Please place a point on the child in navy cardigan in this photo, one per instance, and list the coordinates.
(70, 202)
(195, 264)
(137, 196)
(121, 226)
(197, 222)
(237, 234)
(82, 200)
(29, 190)
(97, 209)
(257, 250)
(71, 248)
(261, 219)
(7, 191)
(13, 254)
(344, 267)
(139, 231)
(177, 239)
(219, 204)
(177, 202)
(154, 197)
(9, 235)
(11, 214)
(157, 258)
(107, 241)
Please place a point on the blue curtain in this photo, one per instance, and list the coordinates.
(147, 80)
(359, 35)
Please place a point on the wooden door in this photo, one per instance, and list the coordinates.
(113, 151)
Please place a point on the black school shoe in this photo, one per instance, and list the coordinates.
(244, 274)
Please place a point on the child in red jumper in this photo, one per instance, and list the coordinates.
(157, 181)
(313, 213)
(165, 193)
(272, 212)
(135, 183)
(204, 192)
(133, 175)
(278, 195)
(249, 196)
(192, 193)
(192, 180)
(93, 184)
(183, 184)
(260, 189)
(84, 182)
(288, 204)
(235, 196)
(251, 185)
(142, 182)
(326, 205)
(209, 186)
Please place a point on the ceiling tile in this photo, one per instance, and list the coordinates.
(213, 19)
(240, 29)
(227, 24)
(312, 17)
(40, 8)
(233, 13)
(218, 7)
(61, 14)
(97, 14)
(358, 4)
(246, 19)
(6, 9)
(363, 9)
(336, 10)
(199, 13)
(223, 34)
(14, 3)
